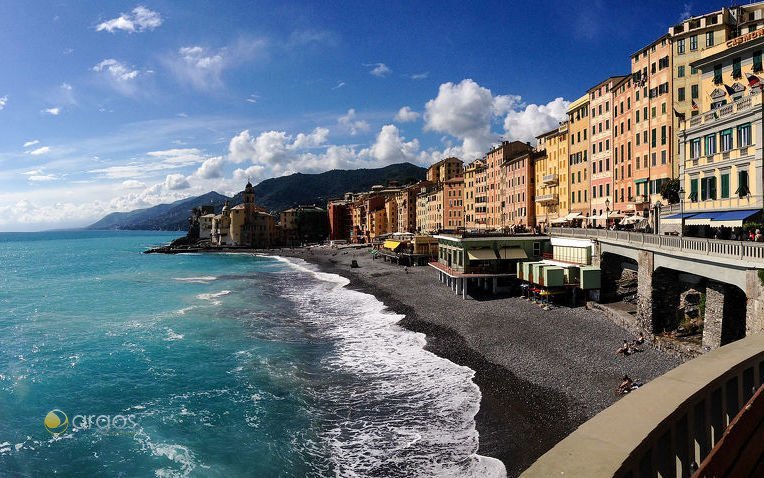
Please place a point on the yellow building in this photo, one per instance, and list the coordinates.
(475, 195)
(722, 164)
(551, 170)
(245, 224)
(445, 169)
(578, 152)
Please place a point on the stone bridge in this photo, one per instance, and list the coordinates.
(734, 300)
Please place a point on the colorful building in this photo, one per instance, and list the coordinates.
(722, 168)
(551, 167)
(475, 195)
(245, 224)
(497, 215)
(445, 169)
(518, 189)
(623, 178)
(578, 151)
(652, 78)
(601, 141)
(453, 204)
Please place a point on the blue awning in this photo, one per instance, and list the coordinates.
(679, 216)
(706, 215)
(735, 215)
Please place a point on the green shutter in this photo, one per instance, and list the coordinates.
(694, 189)
(725, 186)
(703, 189)
(712, 187)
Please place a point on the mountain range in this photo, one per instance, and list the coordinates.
(275, 194)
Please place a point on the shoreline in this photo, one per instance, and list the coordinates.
(532, 397)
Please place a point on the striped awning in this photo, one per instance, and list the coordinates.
(481, 255)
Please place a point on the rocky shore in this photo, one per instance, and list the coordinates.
(541, 373)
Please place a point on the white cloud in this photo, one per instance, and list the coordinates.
(55, 111)
(252, 98)
(466, 111)
(391, 148)
(40, 151)
(66, 86)
(406, 114)
(420, 76)
(133, 184)
(179, 156)
(141, 19)
(175, 182)
(118, 75)
(202, 68)
(339, 85)
(3, 101)
(379, 69)
(526, 124)
(156, 162)
(312, 140)
(686, 12)
(31, 143)
(42, 177)
(211, 168)
(349, 123)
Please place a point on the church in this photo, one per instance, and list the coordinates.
(244, 225)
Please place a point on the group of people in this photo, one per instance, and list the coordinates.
(629, 348)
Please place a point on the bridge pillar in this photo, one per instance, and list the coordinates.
(645, 292)
(754, 291)
(725, 315)
(714, 315)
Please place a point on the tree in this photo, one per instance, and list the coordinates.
(670, 191)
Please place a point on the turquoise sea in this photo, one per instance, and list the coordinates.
(216, 365)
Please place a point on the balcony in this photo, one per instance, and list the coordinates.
(550, 198)
(742, 105)
(549, 179)
(641, 199)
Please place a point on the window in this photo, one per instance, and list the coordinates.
(663, 108)
(653, 137)
(757, 61)
(710, 144)
(680, 47)
(663, 157)
(736, 70)
(725, 140)
(725, 185)
(693, 70)
(680, 94)
(744, 135)
(718, 74)
(742, 184)
(654, 156)
(709, 39)
(695, 148)
(693, 42)
(663, 135)
(637, 118)
(654, 110)
(694, 92)
(680, 72)
(693, 190)
(708, 188)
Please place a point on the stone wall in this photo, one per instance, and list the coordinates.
(645, 292)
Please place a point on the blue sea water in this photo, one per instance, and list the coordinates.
(219, 365)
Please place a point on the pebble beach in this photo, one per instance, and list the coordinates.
(541, 373)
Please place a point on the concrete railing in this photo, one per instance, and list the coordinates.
(746, 251)
(665, 426)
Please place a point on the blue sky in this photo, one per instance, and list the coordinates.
(111, 106)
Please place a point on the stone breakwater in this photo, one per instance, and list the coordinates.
(542, 373)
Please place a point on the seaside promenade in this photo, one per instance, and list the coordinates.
(542, 373)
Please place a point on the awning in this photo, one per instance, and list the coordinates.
(643, 180)
(573, 215)
(595, 218)
(631, 219)
(512, 253)
(615, 215)
(701, 219)
(559, 220)
(733, 218)
(677, 218)
(392, 245)
(481, 255)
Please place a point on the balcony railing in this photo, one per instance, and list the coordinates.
(549, 179)
(741, 105)
(547, 198)
(744, 251)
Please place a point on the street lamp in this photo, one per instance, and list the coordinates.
(607, 210)
(657, 216)
(681, 211)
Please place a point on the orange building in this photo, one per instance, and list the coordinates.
(445, 169)
(453, 203)
(623, 179)
(578, 151)
(651, 69)
(475, 195)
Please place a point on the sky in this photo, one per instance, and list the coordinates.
(112, 106)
